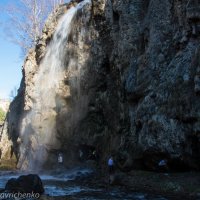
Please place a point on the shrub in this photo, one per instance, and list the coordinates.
(2, 115)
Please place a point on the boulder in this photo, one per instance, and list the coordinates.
(26, 184)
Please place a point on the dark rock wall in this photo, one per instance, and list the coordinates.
(142, 82)
(145, 67)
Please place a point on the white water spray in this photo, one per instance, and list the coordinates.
(39, 125)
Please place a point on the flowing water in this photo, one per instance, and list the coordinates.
(39, 126)
(70, 183)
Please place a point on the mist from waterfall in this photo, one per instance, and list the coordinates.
(39, 126)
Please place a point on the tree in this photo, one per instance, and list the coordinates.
(26, 19)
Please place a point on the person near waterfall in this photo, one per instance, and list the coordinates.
(111, 165)
(111, 170)
(163, 165)
(60, 158)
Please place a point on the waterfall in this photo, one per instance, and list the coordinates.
(39, 125)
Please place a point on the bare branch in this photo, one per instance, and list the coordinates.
(26, 20)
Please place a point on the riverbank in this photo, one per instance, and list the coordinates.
(134, 185)
(147, 185)
(170, 185)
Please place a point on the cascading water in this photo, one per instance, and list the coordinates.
(39, 125)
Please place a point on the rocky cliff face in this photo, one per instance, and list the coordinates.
(136, 90)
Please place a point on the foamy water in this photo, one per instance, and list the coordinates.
(39, 125)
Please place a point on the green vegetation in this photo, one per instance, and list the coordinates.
(9, 164)
(2, 116)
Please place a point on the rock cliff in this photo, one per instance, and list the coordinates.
(132, 90)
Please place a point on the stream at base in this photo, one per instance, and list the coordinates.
(76, 183)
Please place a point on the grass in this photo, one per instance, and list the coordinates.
(2, 116)
(8, 164)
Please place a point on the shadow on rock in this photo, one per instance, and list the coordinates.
(25, 184)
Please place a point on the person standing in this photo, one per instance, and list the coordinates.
(111, 165)
(111, 170)
(60, 158)
(80, 154)
(162, 165)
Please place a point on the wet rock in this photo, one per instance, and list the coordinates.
(25, 184)
(124, 161)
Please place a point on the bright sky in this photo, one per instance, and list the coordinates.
(10, 62)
